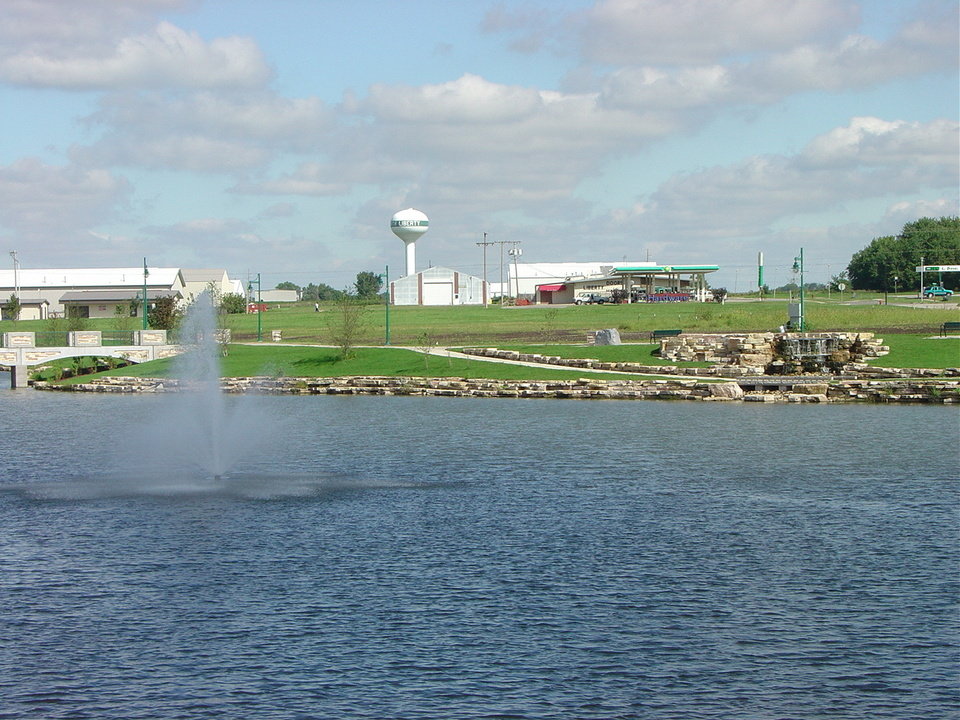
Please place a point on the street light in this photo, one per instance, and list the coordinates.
(145, 274)
(16, 273)
(386, 304)
(259, 308)
(798, 267)
(895, 281)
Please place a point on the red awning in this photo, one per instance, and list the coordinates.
(550, 288)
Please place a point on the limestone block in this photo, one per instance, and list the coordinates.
(19, 339)
(726, 390)
(608, 336)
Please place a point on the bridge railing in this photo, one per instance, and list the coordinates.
(66, 338)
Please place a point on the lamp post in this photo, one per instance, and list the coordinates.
(16, 273)
(895, 281)
(386, 304)
(259, 308)
(798, 267)
(145, 274)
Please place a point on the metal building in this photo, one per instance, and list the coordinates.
(438, 286)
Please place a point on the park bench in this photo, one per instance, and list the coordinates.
(949, 327)
(657, 334)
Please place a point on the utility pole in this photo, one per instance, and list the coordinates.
(485, 290)
(501, 274)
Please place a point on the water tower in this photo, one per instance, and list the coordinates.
(408, 225)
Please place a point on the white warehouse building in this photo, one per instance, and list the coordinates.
(97, 292)
(438, 286)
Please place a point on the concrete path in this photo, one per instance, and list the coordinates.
(445, 352)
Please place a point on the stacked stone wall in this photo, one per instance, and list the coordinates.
(758, 350)
(878, 391)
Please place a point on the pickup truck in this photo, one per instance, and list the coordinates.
(937, 291)
(591, 299)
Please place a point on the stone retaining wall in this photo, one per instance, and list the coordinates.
(884, 391)
(715, 371)
(760, 349)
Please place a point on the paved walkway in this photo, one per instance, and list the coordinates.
(445, 352)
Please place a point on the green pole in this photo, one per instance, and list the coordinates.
(145, 273)
(803, 313)
(259, 312)
(386, 274)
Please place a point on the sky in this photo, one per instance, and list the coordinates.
(279, 136)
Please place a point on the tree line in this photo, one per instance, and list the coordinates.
(890, 262)
(366, 286)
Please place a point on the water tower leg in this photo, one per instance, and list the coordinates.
(18, 376)
(411, 264)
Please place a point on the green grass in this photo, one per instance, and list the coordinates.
(920, 351)
(476, 325)
(906, 350)
(642, 353)
(279, 361)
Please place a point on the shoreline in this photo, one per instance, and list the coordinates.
(769, 389)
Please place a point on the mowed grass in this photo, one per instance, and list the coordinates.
(906, 351)
(473, 325)
(642, 353)
(476, 325)
(920, 351)
(308, 362)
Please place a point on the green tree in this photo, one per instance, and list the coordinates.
(287, 285)
(368, 285)
(122, 322)
(320, 292)
(164, 314)
(12, 307)
(840, 279)
(346, 323)
(233, 304)
(936, 241)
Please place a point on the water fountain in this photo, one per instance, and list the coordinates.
(197, 442)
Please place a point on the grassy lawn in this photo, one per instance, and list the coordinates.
(642, 353)
(920, 351)
(546, 330)
(906, 350)
(280, 361)
(476, 325)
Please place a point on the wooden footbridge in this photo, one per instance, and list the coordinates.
(19, 350)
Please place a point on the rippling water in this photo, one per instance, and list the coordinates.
(444, 558)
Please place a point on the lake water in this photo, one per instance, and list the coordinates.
(444, 558)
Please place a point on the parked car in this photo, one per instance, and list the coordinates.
(591, 299)
(937, 291)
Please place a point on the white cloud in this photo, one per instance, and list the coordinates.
(696, 32)
(870, 158)
(167, 57)
(869, 141)
(469, 100)
(652, 88)
(205, 131)
(43, 27)
(41, 202)
(308, 179)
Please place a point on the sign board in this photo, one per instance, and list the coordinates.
(938, 268)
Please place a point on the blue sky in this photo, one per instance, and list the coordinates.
(280, 136)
